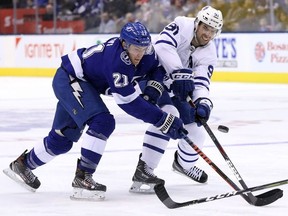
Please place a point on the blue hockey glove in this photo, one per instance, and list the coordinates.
(183, 84)
(171, 126)
(153, 91)
(202, 110)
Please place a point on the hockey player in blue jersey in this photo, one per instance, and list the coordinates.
(113, 67)
(186, 50)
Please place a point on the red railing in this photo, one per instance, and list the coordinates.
(28, 23)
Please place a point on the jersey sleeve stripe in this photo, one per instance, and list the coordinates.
(120, 99)
(201, 84)
(202, 79)
(166, 41)
(76, 64)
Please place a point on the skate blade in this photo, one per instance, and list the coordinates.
(143, 188)
(18, 180)
(80, 194)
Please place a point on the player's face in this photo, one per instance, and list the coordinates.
(205, 33)
(136, 53)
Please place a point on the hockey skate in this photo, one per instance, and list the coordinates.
(144, 179)
(85, 188)
(21, 174)
(194, 173)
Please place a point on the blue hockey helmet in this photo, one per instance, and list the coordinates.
(135, 33)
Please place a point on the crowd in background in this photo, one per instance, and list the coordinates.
(108, 16)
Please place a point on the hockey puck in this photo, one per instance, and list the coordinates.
(223, 128)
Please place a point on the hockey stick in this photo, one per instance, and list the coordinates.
(259, 200)
(266, 198)
(171, 204)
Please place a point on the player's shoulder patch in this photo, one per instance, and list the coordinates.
(125, 58)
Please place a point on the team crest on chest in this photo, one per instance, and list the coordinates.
(125, 58)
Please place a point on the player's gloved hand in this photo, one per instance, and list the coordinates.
(183, 84)
(153, 91)
(171, 126)
(202, 110)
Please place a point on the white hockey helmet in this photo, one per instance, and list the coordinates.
(211, 17)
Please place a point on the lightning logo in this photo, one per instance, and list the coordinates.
(76, 90)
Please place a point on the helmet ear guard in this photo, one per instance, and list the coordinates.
(211, 17)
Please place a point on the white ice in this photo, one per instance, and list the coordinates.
(257, 144)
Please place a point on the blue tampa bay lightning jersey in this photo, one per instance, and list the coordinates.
(108, 68)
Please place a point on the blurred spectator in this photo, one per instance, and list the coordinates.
(82, 7)
(41, 3)
(143, 13)
(20, 3)
(262, 7)
(234, 15)
(66, 8)
(198, 8)
(119, 7)
(107, 24)
(120, 21)
(192, 7)
(49, 14)
(176, 9)
(32, 3)
(129, 17)
(221, 5)
(281, 4)
(281, 22)
(96, 6)
(248, 21)
(156, 21)
(239, 15)
(264, 25)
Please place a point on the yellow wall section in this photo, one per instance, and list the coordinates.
(28, 72)
(250, 77)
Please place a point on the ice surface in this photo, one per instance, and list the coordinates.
(257, 144)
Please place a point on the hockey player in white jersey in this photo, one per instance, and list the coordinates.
(188, 54)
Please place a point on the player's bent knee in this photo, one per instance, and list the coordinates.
(101, 125)
(56, 144)
(72, 133)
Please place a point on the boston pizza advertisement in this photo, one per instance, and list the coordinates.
(257, 52)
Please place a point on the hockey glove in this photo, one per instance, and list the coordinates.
(183, 84)
(171, 126)
(202, 110)
(152, 91)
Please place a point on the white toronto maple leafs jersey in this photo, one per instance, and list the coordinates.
(174, 50)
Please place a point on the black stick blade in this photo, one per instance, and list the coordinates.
(164, 196)
(268, 197)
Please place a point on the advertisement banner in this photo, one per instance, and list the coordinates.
(258, 52)
(253, 57)
(45, 51)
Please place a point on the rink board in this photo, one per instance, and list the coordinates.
(241, 57)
